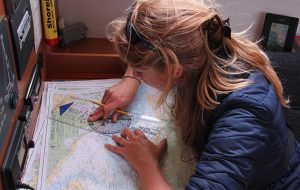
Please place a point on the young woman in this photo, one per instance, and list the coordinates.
(224, 84)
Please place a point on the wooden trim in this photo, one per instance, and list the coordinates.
(2, 11)
(80, 76)
(89, 46)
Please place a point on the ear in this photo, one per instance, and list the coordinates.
(178, 71)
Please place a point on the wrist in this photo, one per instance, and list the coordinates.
(152, 178)
(132, 78)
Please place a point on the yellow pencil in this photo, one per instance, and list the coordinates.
(117, 110)
(101, 104)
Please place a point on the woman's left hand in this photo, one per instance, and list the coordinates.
(138, 150)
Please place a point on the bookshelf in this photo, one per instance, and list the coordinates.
(91, 58)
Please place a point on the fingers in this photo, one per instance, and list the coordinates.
(117, 96)
(111, 103)
(128, 133)
(114, 149)
(131, 134)
(106, 96)
(115, 116)
(123, 135)
(139, 133)
(117, 149)
(163, 143)
(115, 104)
(104, 111)
(119, 140)
(162, 146)
(98, 113)
(125, 138)
(130, 141)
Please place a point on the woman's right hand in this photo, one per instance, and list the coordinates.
(118, 96)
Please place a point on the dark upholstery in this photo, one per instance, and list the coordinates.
(287, 66)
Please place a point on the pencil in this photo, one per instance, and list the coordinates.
(101, 104)
(117, 110)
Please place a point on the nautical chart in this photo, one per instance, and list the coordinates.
(75, 111)
(72, 153)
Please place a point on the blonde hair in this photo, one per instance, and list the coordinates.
(175, 28)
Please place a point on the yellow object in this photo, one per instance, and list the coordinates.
(49, 22)
(101, 104)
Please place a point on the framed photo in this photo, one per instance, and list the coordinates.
(279, 32)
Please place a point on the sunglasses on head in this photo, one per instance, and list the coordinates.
(134, 37)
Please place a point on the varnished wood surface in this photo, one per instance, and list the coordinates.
(2, 9)
(89, 59)
(89, 46)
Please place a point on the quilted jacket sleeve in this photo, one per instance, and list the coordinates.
(237, 151)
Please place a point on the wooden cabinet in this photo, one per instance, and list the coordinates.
(91, 58)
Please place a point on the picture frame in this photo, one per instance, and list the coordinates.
(296, 47)
(279, 32)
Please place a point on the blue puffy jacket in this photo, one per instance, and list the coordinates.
(247, 141)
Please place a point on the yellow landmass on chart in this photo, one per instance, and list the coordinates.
(55, 169)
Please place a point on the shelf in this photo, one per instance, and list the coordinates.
(89, 46)
(91, 58)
